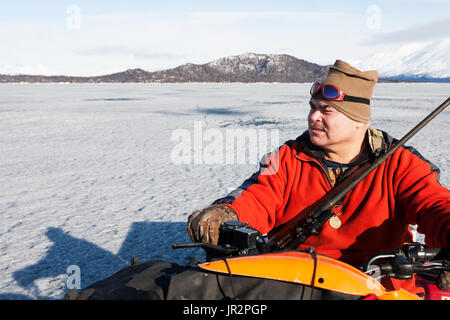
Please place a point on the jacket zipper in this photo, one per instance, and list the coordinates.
(324, 171)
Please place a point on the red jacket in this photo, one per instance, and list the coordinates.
(376, 214)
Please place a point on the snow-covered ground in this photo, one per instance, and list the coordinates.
(89, 176)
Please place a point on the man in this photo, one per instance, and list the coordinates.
(375, 216)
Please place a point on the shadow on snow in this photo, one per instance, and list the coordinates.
(147, 240)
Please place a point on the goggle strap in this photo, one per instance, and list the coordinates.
(357, 99)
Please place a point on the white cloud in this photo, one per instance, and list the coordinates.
(138, 53)
(422, 32)
(106, 43)
(30, 69)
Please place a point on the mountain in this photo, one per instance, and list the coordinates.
(412, 62)
(248, 67)
(131, 75)
(424, 62)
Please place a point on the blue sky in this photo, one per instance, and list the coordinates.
(99, 37)
(43, 10)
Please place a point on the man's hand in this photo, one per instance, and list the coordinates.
(443, 282)
(203, 225)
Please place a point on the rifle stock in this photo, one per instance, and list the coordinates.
(310, 220)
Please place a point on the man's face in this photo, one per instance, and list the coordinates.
(328, 127)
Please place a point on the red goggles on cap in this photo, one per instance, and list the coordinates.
(332, 93)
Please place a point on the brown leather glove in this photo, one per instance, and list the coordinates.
(203, 225)
(443, 282)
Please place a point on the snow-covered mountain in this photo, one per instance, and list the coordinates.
(413, 61)
(247, 67)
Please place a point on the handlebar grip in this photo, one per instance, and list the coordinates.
(430, 254)
(444, 253)
(416, 252)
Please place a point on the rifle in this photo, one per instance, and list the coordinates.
(297, 230)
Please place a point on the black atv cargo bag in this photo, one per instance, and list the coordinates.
(160, 280)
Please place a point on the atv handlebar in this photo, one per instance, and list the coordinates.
(238, 239)
(408, 260)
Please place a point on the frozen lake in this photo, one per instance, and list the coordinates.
(90, 177)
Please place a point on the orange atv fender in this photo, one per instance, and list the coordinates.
(298, 267)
